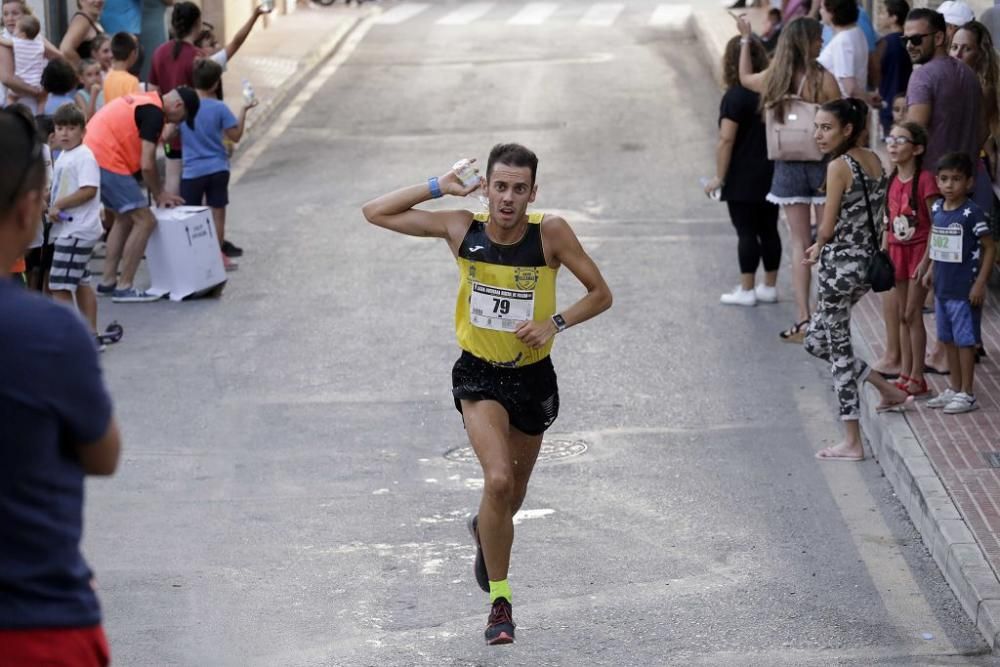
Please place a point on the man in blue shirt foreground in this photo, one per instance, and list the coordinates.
(57, 427)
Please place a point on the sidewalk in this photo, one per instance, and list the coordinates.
(945, 469)
(280, 55)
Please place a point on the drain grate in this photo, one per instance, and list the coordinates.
(992, 459)
(551, 450)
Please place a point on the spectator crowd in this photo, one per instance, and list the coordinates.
(879, 142)
(109, 106)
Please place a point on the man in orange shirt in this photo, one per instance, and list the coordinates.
(123, 137)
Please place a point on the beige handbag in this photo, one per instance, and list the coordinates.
(790, 136)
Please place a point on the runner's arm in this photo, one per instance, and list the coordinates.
(565, 248)
(395, 211)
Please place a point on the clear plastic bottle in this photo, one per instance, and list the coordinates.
(248, 94)
(267, 6)
(465, 172)
(714, 195)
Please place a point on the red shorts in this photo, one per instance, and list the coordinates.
(906, 258)
(54, 647)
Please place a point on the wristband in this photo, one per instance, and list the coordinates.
(560, 322)
(435, 187)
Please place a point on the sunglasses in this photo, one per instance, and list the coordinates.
(34, 155)
(897, 141)
(916, 40)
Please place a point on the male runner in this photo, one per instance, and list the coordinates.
(503, 383)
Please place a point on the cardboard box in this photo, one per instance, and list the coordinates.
(183, 253)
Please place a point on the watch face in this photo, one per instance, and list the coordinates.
(560, 322)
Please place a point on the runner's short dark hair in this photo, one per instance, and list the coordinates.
(934, 19)
(206, 74)
(960, 162)
(69, 114)
(514, 155)
(122, 46)
(842, 12)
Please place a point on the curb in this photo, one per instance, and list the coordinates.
(269, 111)
(944, 531)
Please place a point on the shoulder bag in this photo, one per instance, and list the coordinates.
(881, 272)
(790, 133)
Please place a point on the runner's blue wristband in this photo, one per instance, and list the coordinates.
(432, 183)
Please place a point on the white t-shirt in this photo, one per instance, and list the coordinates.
(221, 58)
(846, 55)
(77, 169)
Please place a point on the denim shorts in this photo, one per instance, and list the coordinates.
(798, 183)
(121, 193)
(957, 322)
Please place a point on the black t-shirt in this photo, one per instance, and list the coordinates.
(149, 119)
(749, 175)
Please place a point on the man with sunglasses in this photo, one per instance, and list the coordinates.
(943, 95)
(57, 427)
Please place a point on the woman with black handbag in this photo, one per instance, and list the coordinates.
(851, 262)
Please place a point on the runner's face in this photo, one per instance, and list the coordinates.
(510, 191)
(828, 132)
(953, 184)
(964, 47)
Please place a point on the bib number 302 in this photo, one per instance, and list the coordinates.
(500, 309)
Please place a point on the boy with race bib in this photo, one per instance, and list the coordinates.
(962, 252)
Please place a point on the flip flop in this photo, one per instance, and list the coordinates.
(896, 407)
(829, 454)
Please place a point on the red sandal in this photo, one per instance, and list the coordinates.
(922, 390)
(903, 382)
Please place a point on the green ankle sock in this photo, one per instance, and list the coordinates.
(499, 589)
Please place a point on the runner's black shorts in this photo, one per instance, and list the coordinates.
(529, 394)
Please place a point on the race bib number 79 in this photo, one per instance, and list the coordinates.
(500, 309)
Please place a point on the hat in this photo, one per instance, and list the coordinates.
(956, 12)
(191, 103)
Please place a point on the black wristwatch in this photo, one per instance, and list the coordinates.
(560, 322)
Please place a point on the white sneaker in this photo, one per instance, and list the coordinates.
(766, 294)
(942, 399)
(962, 402)
(739, 297)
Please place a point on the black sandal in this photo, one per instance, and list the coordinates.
(796, 333)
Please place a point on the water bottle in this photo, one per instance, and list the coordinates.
(267, 6)
(467, 174)
(248, 94)
(714, 195)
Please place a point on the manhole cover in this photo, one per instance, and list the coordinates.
(552, 450)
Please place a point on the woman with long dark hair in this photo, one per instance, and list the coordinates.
(743, 174)
(844, 247)
(172, 66)
(796, 186)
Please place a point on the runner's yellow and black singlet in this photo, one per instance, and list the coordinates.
(500, 287)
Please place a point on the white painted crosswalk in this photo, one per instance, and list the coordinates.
(598, 14)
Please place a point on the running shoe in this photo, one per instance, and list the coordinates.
(500, 626)
(739, 297)
(229, 249)
(942, 399)
(133, 295)
(106, 290)
(766, 294)
(961, 402)
(482, 578)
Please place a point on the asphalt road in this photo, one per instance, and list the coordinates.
(285, 496)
